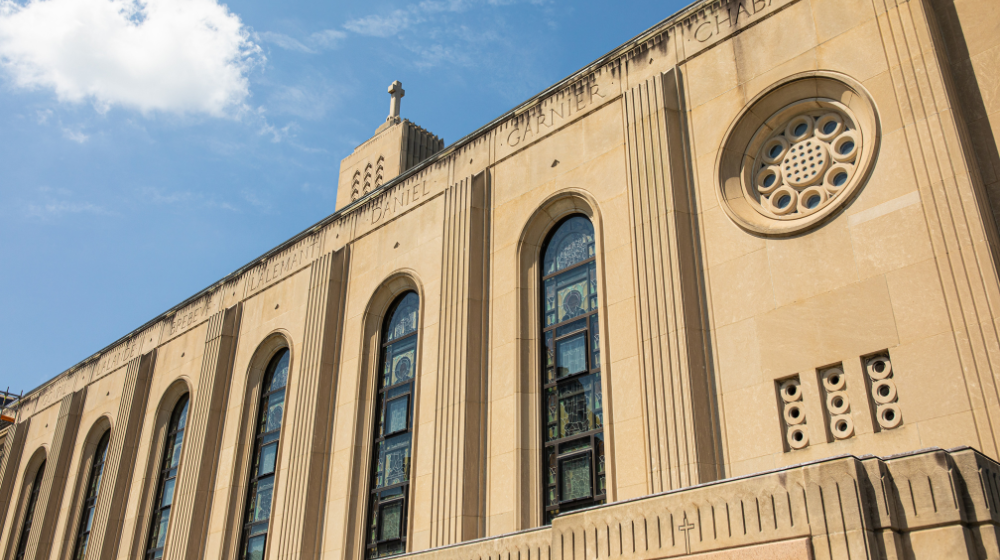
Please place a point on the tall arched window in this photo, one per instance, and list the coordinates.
(393, 441)
(265, 457)
(167, 479)
(573, 431)
(90, 502)
(29, 513)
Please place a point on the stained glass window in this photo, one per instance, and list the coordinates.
(168, 479)
(265, 458)
(571, 382)
(29, 513)
(392, 447)
(90, 501)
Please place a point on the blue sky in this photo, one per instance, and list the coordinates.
(151, 147)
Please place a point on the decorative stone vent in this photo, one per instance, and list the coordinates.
(837, 403)
(798, 153)
(806, 163)
(885, 401)
(793, 413)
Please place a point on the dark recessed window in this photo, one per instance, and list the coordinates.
(573, 434)
(264, 460)
(167, 479)
(389, 489)
(90, 502)
(29, 513)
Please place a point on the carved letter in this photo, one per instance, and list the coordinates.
(553, 113)
(527, 128)
(594, 90)
(377, 216)
(514, 138)
(727, 20)
(416, 193)
(741, 7)
(701, 38)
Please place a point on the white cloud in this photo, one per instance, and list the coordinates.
(75, 135)
(285, 42)
(56, 202)
(383, 26)
(397, 20)
(178, 56)
(325, 39)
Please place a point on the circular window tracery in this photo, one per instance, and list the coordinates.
(805, 164)
(797, 153)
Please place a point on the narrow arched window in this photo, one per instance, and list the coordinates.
(167, 479)
(29, 513)
(265, 457)
(393, 430)
(573, 412)
(90, 502)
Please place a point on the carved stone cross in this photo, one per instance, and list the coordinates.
(687, 527)
(397, 93)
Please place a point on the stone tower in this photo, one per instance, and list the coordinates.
(396, 146)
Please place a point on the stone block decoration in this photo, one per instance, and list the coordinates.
(731, 291)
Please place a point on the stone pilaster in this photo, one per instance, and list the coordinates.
(10, 462)
(206, 417)
(50, 496)
(956, 207)
(455, 500)
(298, 526)
(679, 406)
(119, 462)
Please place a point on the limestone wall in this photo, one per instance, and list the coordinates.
(707, 316)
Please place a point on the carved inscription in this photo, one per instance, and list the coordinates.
(188, 316)
(557, 110)
(397, 200)
(282, 265)
(577, 99)
(720, 19)
(120, 354)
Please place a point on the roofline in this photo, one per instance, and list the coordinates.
(611, 55)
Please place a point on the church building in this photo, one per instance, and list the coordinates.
(730, 292)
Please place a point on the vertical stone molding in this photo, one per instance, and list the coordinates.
(50, 497)
(10, 462)
(119, 463)
(299, 527)
(956, 208)
(458, 482)
(682, 431)
(193, 496)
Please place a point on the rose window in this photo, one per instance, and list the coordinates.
(805, 164)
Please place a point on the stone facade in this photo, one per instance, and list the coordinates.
(792, 260)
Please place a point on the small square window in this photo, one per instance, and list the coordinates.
(390, 521)
(576, 480)
(571, 355)
(397, 415)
